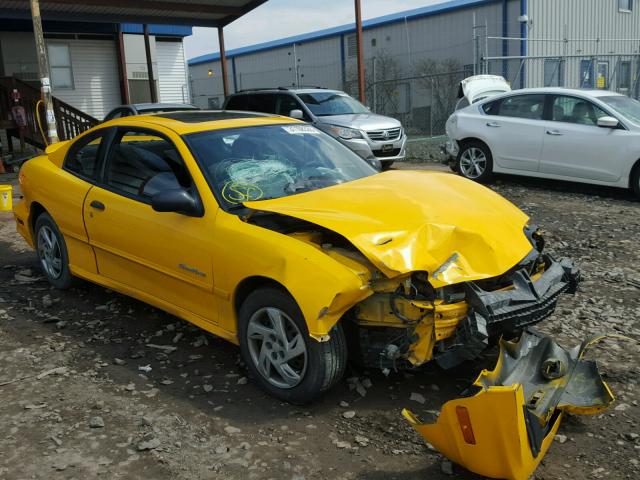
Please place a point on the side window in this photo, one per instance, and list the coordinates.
(575, 110)
(264, 102)
(492, 108)
(82, 158)
(286, 103)
(238, 102)
(522, 106)
(142, 164)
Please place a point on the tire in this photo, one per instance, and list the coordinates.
(475, 162)
(52, 252)
(318, 368)
(386, 165)
(635, 180)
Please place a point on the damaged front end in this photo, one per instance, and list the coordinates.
(413, 323)
(506, 422)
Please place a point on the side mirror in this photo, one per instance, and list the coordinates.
(296, 114)
(177, 200)
(608, 122)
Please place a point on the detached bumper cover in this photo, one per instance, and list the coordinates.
(507, 311)
(504, 429)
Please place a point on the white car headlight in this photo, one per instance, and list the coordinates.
(344, 132)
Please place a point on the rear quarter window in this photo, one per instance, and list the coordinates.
(265, 103)
(239, 102)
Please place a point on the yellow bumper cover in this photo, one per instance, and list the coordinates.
(505, 428)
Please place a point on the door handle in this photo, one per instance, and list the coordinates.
(97, 205)
(555, 132)
(493, 125)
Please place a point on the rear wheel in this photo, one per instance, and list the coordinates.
(475, 162)
(281, 356)
(52, 252)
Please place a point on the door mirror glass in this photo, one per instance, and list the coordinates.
(177, 200)
(608, 122)
(296, 113)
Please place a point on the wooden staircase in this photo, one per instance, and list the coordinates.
(69, 120)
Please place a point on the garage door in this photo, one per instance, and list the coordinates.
(94, 69)
(172, 72)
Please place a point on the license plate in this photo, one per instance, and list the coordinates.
(388, 147)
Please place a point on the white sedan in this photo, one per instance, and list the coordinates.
(589, 136)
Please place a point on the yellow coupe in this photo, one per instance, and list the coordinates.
(271, 234)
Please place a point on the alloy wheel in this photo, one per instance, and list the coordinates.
(49, 252)
(473, 162)
(277, 347)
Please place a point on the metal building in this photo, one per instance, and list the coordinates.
(415, 59)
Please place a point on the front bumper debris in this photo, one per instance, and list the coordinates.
(506, 423)
(494, 313)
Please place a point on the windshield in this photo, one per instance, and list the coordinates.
(259, 163)
(323, 104)
(628, 107)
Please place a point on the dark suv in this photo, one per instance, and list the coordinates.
(335, 112)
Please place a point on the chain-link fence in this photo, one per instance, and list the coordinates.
(421, 103)
(606, 64)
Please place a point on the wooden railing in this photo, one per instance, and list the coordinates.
(69, 120)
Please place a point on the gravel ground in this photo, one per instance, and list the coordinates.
(93, 383)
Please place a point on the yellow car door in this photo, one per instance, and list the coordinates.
(161, 257)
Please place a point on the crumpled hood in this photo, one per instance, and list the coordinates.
(405, 221)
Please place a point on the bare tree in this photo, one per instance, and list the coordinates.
(381, 91)
(443, 79)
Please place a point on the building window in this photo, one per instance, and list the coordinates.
(553, 72)
(586, 74)
(60, 65)
(352, 46)
(373, 42)
(602, 81)
(624, 75)
(625, 5)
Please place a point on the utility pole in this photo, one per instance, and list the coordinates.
(43, 72)
(223, 63)
(360, 54)
(152, 81)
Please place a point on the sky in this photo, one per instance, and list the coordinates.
(283, 18)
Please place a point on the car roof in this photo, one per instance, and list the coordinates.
(589, 92)
(186, 122)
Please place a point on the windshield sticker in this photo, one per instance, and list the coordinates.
(296, 129)
(235, 193)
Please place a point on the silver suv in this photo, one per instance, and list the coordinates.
(369, 135)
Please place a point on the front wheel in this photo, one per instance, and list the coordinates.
(386, 165)
(475, 162)
(281, 356)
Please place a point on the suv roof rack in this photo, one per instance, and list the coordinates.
(262, 89)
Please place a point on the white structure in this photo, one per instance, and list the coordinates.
(85, 64)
